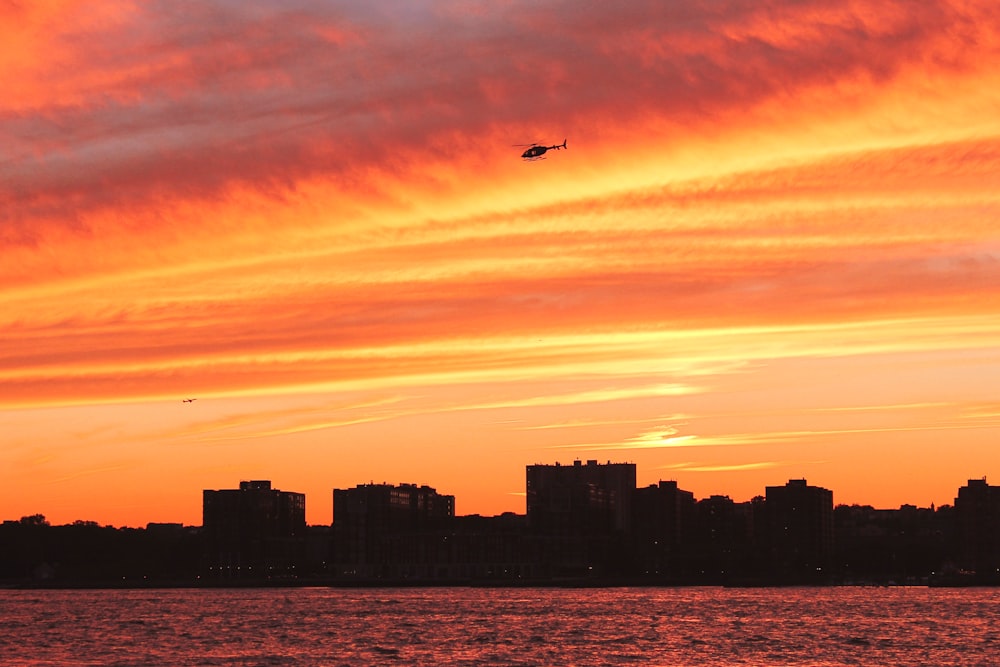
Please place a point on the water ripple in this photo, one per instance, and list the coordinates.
(464, 627)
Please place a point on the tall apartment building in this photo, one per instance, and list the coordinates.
(977, 510)
(799, 530)
(662, 526)
(253, 531)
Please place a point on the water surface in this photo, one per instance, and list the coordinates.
(532, 626)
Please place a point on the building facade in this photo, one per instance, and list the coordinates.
(583, 515)
(381, 529)
(798, 537)
(581, 498)
(662, 528)
(977, 510)
(254, 531)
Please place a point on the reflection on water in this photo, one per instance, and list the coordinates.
(464, 626)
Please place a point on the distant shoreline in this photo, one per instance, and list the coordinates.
(540, 583)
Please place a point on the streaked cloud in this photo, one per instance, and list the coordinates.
(869, 420)
(734, 467)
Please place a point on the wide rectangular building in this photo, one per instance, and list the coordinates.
(595, 498)
(253, 531)
(379, 527)
(581, 516)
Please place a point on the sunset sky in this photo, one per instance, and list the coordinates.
(771, 249)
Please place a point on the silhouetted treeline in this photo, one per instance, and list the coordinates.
(85, 553)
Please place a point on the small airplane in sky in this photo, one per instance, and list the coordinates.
(188, 400)
(536, 151)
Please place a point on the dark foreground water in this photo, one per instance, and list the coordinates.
(465, 626)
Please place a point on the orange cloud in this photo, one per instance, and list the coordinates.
(280, 205)
(735, 467)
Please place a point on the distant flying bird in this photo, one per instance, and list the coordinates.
(189, 400)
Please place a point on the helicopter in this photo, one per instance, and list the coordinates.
(536, 151)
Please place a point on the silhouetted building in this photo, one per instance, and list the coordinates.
(585, 514)
(584, 522)
(909, 545)
(720, 547)
(468, 549)
(318, 552)
(254, 531)
(378, 528)
(493, 549)
(662, 524)
(799, 531)
(977, 510)
(591, 498)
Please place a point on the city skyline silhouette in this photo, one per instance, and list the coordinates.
(88, 520)
(586, 522)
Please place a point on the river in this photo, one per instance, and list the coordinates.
(505, 626)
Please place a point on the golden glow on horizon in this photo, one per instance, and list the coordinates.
(770, 250)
